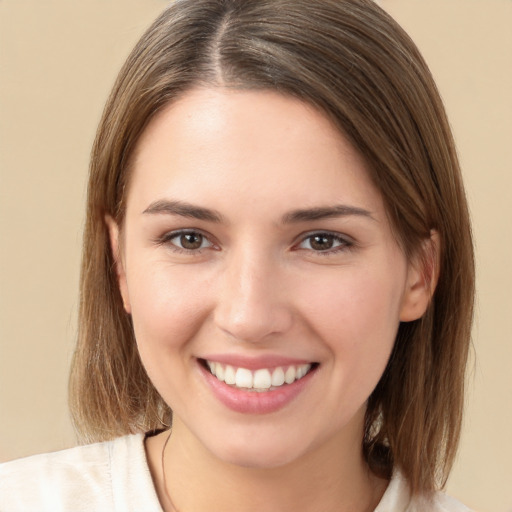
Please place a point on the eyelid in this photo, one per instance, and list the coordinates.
(166, 238)
(346, 242)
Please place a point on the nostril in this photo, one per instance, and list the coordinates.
(256, 324)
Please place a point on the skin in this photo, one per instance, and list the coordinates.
(257, 285)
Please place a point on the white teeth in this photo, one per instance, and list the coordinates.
(229, 375)
(302, 370)
(290, 375)
(219, 372)
(261, 379)
(305, 369)
(243, 378)
(278, 377)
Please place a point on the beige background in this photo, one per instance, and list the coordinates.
(58, 59)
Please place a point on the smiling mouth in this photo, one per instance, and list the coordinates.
(261, 380)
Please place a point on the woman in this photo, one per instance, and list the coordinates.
(278, 250)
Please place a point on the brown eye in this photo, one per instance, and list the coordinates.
(191, 241)
(322, 242)
(325, 242)
(187, 241)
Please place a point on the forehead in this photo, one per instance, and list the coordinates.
(254, 145)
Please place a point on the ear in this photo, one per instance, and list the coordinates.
(422, 276)
(114, 234)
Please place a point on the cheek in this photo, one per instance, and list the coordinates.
(168, 305)
(356, 314)
(168, 309)
(357, 320)
(353, 302)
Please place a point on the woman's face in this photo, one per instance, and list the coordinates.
(255, 244)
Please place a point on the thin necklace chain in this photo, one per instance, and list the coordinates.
(174, 509)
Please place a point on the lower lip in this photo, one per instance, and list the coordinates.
(255, 402)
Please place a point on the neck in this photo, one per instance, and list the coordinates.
(332, 477)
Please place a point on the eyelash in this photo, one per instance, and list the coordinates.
(344, 242)
(168, 237)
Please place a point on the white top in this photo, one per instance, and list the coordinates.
(114, 477)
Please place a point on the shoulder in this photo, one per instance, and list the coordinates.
(397, 498)
(100, 477)
(62, 480)
(446, 503)
(440, 502)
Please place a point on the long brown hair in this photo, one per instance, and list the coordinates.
(349, 59)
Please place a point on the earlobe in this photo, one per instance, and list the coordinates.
(422, 276)
(115, 247)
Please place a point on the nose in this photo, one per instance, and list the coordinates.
(252, 300)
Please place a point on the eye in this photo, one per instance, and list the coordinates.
(324, 242)
(187, 240)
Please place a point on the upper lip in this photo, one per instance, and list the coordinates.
(255, 362)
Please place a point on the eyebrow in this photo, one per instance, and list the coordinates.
(324, 212)
(189, 210)
(184, 210)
